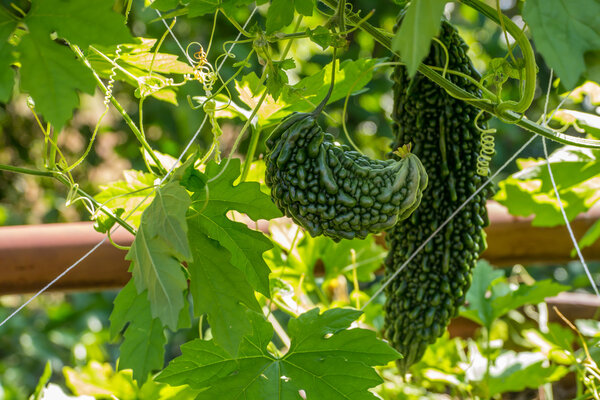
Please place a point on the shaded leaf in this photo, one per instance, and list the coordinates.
(480, 309)
(7, 75)
(563, 31)
(525, 294)
(279, 15)
(304, 7)
(142, 349)
(530, 191)
(420, 24)
(154, 253)
(81, 23)
(245, 245)
(219, 290)
(321, 36)
(52, 77)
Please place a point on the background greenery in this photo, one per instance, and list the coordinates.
(71, 330)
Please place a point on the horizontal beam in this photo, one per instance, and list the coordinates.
(573, 306)
(33, 255)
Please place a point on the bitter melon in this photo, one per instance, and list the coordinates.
(329, 189)
(428, 292)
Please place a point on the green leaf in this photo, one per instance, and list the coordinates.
(279, 15)
(590, 237)
(563, 31)
(350, 77)
(128, 305)
(530, 190)
(325, 361)
(513, 372)
(479, 305)
(277, 80)
(166, 218)
(137, 66)
(157, 250)
(164, 5)
(102, 382)
(337, 257)
(245, 245)
(7, 75)
(143, 347)
(52, 76)
(128, 194)
(288, 63)
(80, 22)
(219, 290)
(420, 24)
(304, 7)
(525, 294)
(321, 36)
(198, 8)
(203, 7)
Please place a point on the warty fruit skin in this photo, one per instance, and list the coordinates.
(333, 191)
(428, 292)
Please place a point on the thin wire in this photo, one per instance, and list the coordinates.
(568, 225)
(93, 249)
(556, 192)
(22, 306)
(422, 246)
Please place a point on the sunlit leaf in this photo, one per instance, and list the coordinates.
(326, 360)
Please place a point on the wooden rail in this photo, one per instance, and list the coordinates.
(33, 255)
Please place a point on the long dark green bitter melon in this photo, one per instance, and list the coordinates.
(428, 292)
(330, 190)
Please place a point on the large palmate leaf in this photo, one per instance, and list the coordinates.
(326, 360)
(563, 32)
(80, 22)
(143, 347)
(245, 245)
(219, 290)
(158, 249)
(133, 195)
(52, 77)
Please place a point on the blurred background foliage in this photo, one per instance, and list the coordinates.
(71, 329)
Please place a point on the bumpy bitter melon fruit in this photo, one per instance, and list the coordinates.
(329, 189)
(428, 292)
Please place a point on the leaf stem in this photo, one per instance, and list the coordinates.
(65, 181)
(256, 132)
(236, 25)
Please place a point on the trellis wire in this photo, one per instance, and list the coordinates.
(567, 224)
(555, 188)
(422, 246)
(93, 249)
